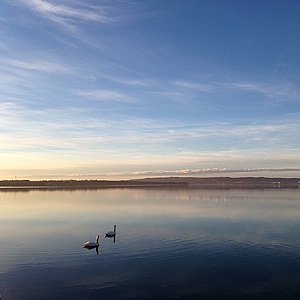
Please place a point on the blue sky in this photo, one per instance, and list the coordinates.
(100, 88)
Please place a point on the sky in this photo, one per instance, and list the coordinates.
(104, 89)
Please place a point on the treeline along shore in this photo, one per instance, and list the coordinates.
(170, 182)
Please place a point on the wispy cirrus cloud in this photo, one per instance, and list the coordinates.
(277, 91)
(198, 87)
(70, 13)
(44, 66)
(105, 95)
(26, 79)
(131, 81)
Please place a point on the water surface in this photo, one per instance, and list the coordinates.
(170, 244)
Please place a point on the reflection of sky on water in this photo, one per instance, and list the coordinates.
(36, 205)
(173, 234)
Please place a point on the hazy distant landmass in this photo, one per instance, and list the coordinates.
(188, 182)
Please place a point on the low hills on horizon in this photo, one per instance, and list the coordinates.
(188, 182)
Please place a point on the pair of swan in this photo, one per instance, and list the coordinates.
(109, 234)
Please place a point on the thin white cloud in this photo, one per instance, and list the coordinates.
(275, 91)
(194, 172)
(105, 95)
(38, 65)
(24, 79)
(130, 81)
(280, 91)
(168, 93)
(57, 12)
(199, 87)
(181, 92)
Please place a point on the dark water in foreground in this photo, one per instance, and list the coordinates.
(170, 244)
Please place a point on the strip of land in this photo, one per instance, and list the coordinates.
(168, 182)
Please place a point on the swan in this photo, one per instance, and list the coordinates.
(111, 233)
(91, 245)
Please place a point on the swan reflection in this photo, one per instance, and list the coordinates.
(90, 248)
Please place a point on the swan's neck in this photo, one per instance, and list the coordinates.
(115, 226)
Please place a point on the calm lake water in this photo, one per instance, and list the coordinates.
(170, 244)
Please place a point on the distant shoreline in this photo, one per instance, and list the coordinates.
(158, 182)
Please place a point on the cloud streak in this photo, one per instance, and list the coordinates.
(279, 91)
(198, 87)
(43, 66)
(274, 91)
(66, 14)
(105, 95)
(206, 171)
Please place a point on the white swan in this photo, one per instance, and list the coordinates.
(111, 233)
(91, 245)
